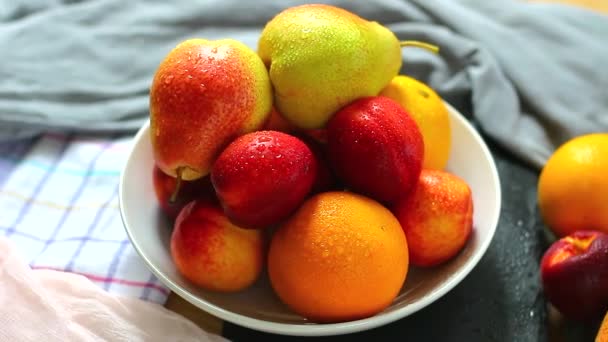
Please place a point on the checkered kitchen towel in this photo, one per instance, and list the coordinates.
(59, 206)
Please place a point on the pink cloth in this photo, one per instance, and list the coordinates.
(46, 305)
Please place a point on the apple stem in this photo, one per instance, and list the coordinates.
(415, 43)
(178, 185)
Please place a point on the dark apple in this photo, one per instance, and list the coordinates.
(574, 273)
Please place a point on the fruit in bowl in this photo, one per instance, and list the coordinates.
(165, 186)
(338, 257)
(195, 110)
(262, 177)
(437, 218)
(326, 65)
(430, 113)
(214, 253)
(257, 306)
(376, 148)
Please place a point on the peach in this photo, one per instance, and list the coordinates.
(437, 217)
(574, 273)
(212, 252)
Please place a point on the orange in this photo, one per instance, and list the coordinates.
(340, 257)
(602, 334)
(573, 186)
(430, 113)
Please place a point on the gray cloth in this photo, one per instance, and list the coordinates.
(532, 75)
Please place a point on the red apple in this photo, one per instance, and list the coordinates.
(437, 217)
(376, 148)
(574, 272)
(164, 186)
(212, 252)
(262, 177)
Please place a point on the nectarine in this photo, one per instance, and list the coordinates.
(212, 252)
(437, 217)
(574, 273)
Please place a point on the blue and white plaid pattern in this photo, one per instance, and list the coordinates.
(59, 206)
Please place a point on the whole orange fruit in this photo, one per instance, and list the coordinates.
(430, 113)
(342, 256)
(573, 186)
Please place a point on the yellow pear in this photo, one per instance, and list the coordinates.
(321, 58)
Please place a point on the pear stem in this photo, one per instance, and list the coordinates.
(178, 185)
(415, 43)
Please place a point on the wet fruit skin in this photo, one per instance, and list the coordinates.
(573, 186)
(574, 274)
(430, 113)
(341, 256)
(262, 177)
(212, 252)
(437, 217)
(376, 148)
(203, 95)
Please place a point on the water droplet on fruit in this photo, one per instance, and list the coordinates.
(278, 156)
(202, 88)
(260, 148)
(168, 79)
(214, 50)
(264, 139)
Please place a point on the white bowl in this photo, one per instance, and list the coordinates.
(258, 307)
